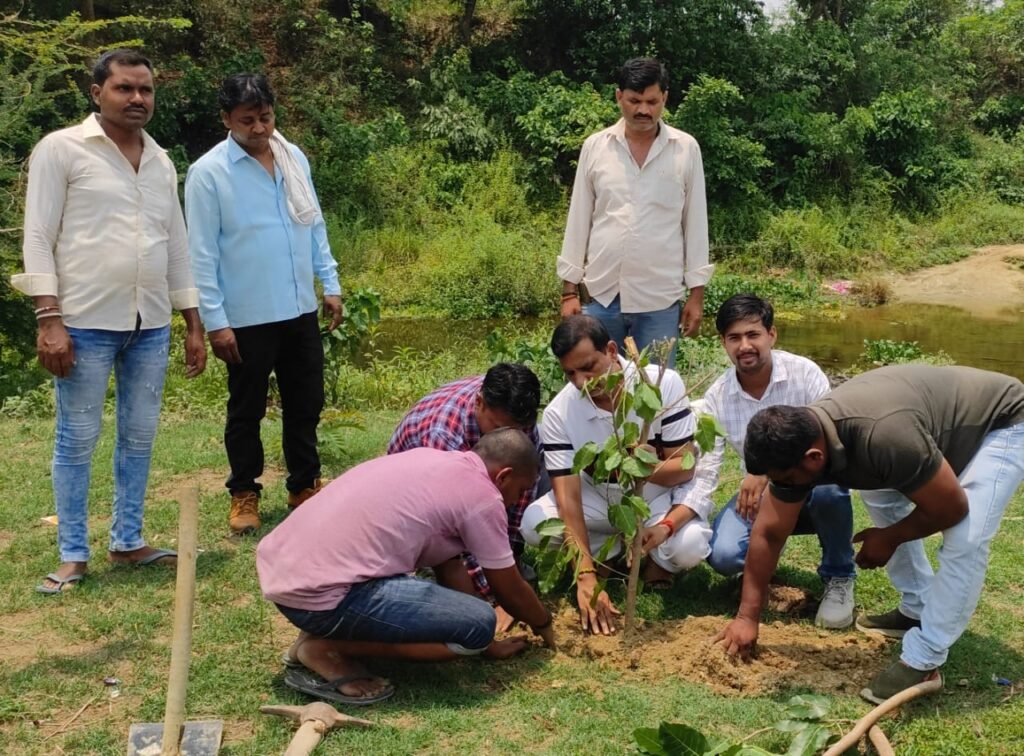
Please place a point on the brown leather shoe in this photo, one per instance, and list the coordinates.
(294, 499)
(245, 512)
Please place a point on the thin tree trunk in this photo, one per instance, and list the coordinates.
(466, 22)
(88, 10)
(633, 583)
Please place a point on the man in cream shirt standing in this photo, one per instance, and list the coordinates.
(637, 232)
(106, 258)
(258, 238)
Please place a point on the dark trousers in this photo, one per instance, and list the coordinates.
(291, 349)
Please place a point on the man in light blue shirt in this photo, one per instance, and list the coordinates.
(257, 239)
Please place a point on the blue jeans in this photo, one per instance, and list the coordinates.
(139, 362)
(827, 513)
(403, 609)
(644, 327)
(945, 600)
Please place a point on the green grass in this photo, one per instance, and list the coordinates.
(55, 652)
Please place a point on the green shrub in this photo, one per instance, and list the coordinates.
(806, 240)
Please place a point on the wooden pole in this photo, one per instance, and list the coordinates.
(181, 644)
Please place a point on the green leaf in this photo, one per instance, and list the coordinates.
(646, 455)
(647, 402)
(809, 741)
(622, 518)
(550, 567)
(630, 433)
(688, 461)
(638, 505)
(635, 468)
(648, 742)
(551, 528)
(792, 725)
(708, 432)
(682, 740)
(613, 460)
(725, 748)
(584, 456)
(606, 549)
(807, 707)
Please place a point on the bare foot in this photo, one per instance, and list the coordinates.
(321, 656)
(503, 649)
(66, 570)
(137, 555)
(505, 620)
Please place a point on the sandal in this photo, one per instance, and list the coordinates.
(63, 584)
(153, 558)
(309, 682)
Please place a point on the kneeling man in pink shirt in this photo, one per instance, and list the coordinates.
(339, 567)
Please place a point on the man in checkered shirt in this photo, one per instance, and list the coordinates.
(455, 416)
(764, 377)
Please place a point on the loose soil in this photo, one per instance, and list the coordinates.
(989, 283)
(789, 654)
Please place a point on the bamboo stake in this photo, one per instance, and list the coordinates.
(894, 702)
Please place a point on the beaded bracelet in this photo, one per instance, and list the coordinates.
(46, 308)
(42, 315)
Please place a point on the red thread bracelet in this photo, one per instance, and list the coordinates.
(668, 524)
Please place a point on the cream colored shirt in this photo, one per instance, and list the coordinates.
(639, 232)
(107, 241)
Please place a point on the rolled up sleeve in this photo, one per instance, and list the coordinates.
(697, 269)
(44, 209)
(182, 290)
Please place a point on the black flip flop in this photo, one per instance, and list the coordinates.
(309, 682)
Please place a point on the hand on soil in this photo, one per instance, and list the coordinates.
(596, 616)
(738, 638)
(547, 634)
(503, 649)
(877, 548)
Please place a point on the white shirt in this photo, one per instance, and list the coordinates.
(572, 419)
(107, 241)
(637, 232)
(795, 381)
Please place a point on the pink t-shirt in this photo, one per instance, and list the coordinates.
(385, 517)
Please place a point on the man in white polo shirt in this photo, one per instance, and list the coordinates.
(637, 231)
(675, 538)
(763, 377)
(106, 258)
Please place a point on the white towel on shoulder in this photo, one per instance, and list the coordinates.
(302, 204)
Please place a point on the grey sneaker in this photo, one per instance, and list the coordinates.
(892, 624)
(836, 608)
(896, 678)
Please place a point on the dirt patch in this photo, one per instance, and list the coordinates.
(209, 482)
(788, 655)
(990, 283)
(6, 539)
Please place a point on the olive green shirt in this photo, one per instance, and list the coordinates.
(892, 427)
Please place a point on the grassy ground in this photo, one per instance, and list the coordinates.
(56, 651)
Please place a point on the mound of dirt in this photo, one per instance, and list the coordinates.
(788, 655)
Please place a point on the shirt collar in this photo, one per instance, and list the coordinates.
(836, 450)
(91, 129)
(235, 150)
(780, 373)
(618, 131)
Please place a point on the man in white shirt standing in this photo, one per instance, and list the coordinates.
(106, 258)
(674, 537)
(637, 232)
(764, 377)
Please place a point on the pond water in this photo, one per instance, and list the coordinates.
(992, 344)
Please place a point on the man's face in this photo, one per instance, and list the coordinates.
(585, 361)
(126, 99)
(795, 483)
(641, 110)
(490, 418)
(251, 126)
(512, 486)
(749, 345)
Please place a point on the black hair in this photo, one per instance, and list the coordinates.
(123, 57)
(778, 437)
(573, 329)
(639, 73)
(512, 388)
(744, 307)
(509, 447)
(245, 89)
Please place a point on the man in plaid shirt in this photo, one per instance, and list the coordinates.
(455, 416)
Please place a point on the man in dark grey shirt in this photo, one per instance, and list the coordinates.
(931, 449)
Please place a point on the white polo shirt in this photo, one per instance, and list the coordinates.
(571, 420)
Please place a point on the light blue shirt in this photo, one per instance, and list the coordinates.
(252, 263)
